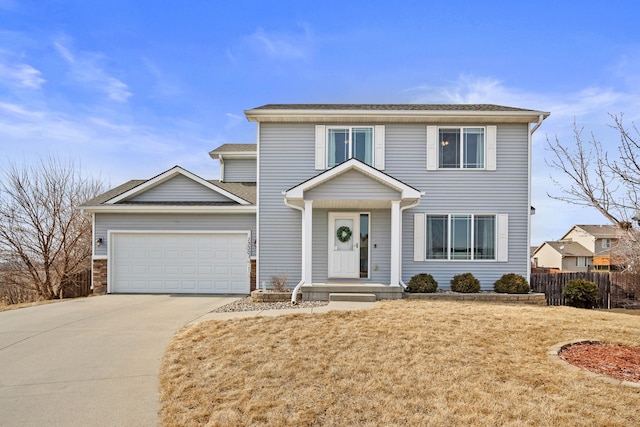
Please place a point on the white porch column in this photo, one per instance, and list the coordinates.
(307, 241)
(395, 243)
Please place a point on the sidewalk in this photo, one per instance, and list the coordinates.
(332, 306)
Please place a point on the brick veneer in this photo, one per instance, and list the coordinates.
(99, 276)
(252, 277)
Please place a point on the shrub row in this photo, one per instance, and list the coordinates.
(467, 283)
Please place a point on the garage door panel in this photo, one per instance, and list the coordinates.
(179, 263)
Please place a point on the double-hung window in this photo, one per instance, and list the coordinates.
(461, 237)
(461, 148)
(606, 243)
(348, 142)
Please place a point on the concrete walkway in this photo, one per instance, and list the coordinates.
(95, 361)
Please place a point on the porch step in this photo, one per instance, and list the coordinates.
(352, 297)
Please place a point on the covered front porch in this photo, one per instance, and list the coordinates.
(351, 231)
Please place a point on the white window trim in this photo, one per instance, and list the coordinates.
(608, 245)
(350, 155)
(490, 145)
(322, 146)
(500, 243)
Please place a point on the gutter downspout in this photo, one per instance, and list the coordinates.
(412, 205)
(294, 294)
(540, 120)
(530, 143)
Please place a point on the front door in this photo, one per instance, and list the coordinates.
(344, 245)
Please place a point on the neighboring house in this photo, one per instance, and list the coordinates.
(582, 248)
(563, 255)
(349, 198)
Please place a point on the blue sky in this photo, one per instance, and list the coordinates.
(131, 88)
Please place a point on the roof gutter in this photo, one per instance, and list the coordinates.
(410, 116)
(168, 209)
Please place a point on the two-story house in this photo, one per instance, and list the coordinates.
(583, 248)
(345, 198)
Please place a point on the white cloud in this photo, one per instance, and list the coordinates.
(86, 69)
(165, 85)
(284, 45)
(21, 75)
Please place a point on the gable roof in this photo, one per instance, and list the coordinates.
(607, 231)
(165, 176)
(404, 113)
(241, 195)
(407, 191)
(567, 248)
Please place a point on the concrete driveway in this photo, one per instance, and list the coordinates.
(90, 361)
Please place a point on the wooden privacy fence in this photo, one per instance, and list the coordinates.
(76, 285)
(615, 289)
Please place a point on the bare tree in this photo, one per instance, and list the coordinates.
(43, 237)
(609, 183)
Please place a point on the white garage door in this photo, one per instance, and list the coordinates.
(179, 263)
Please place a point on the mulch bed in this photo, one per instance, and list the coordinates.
(620, 362)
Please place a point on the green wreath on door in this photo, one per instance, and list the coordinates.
(343, 234)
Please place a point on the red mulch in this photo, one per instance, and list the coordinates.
(620, 362)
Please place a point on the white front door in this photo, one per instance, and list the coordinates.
(344, 245)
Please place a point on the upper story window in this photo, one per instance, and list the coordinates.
(336, 143)
(461, 147)
(344, 143)
(606, 243)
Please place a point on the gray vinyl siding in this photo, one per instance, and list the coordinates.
(287, 159)
(352, 185)
(240, 170)
(180, 189)
(172, 222)
(503, 191)
(379, 256)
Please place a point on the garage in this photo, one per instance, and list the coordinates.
(179, 262)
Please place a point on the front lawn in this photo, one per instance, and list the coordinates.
(416, 363)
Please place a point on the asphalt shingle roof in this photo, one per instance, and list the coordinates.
(244, 190)
(392, 107)
(570, 248)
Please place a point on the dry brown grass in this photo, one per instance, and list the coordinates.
(7, 307)
(402, 363)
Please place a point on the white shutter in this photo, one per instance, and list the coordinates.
(503, 237)
(321, 151)
(378, 142)
(418, 237)
(491, 147)
(432, 148)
